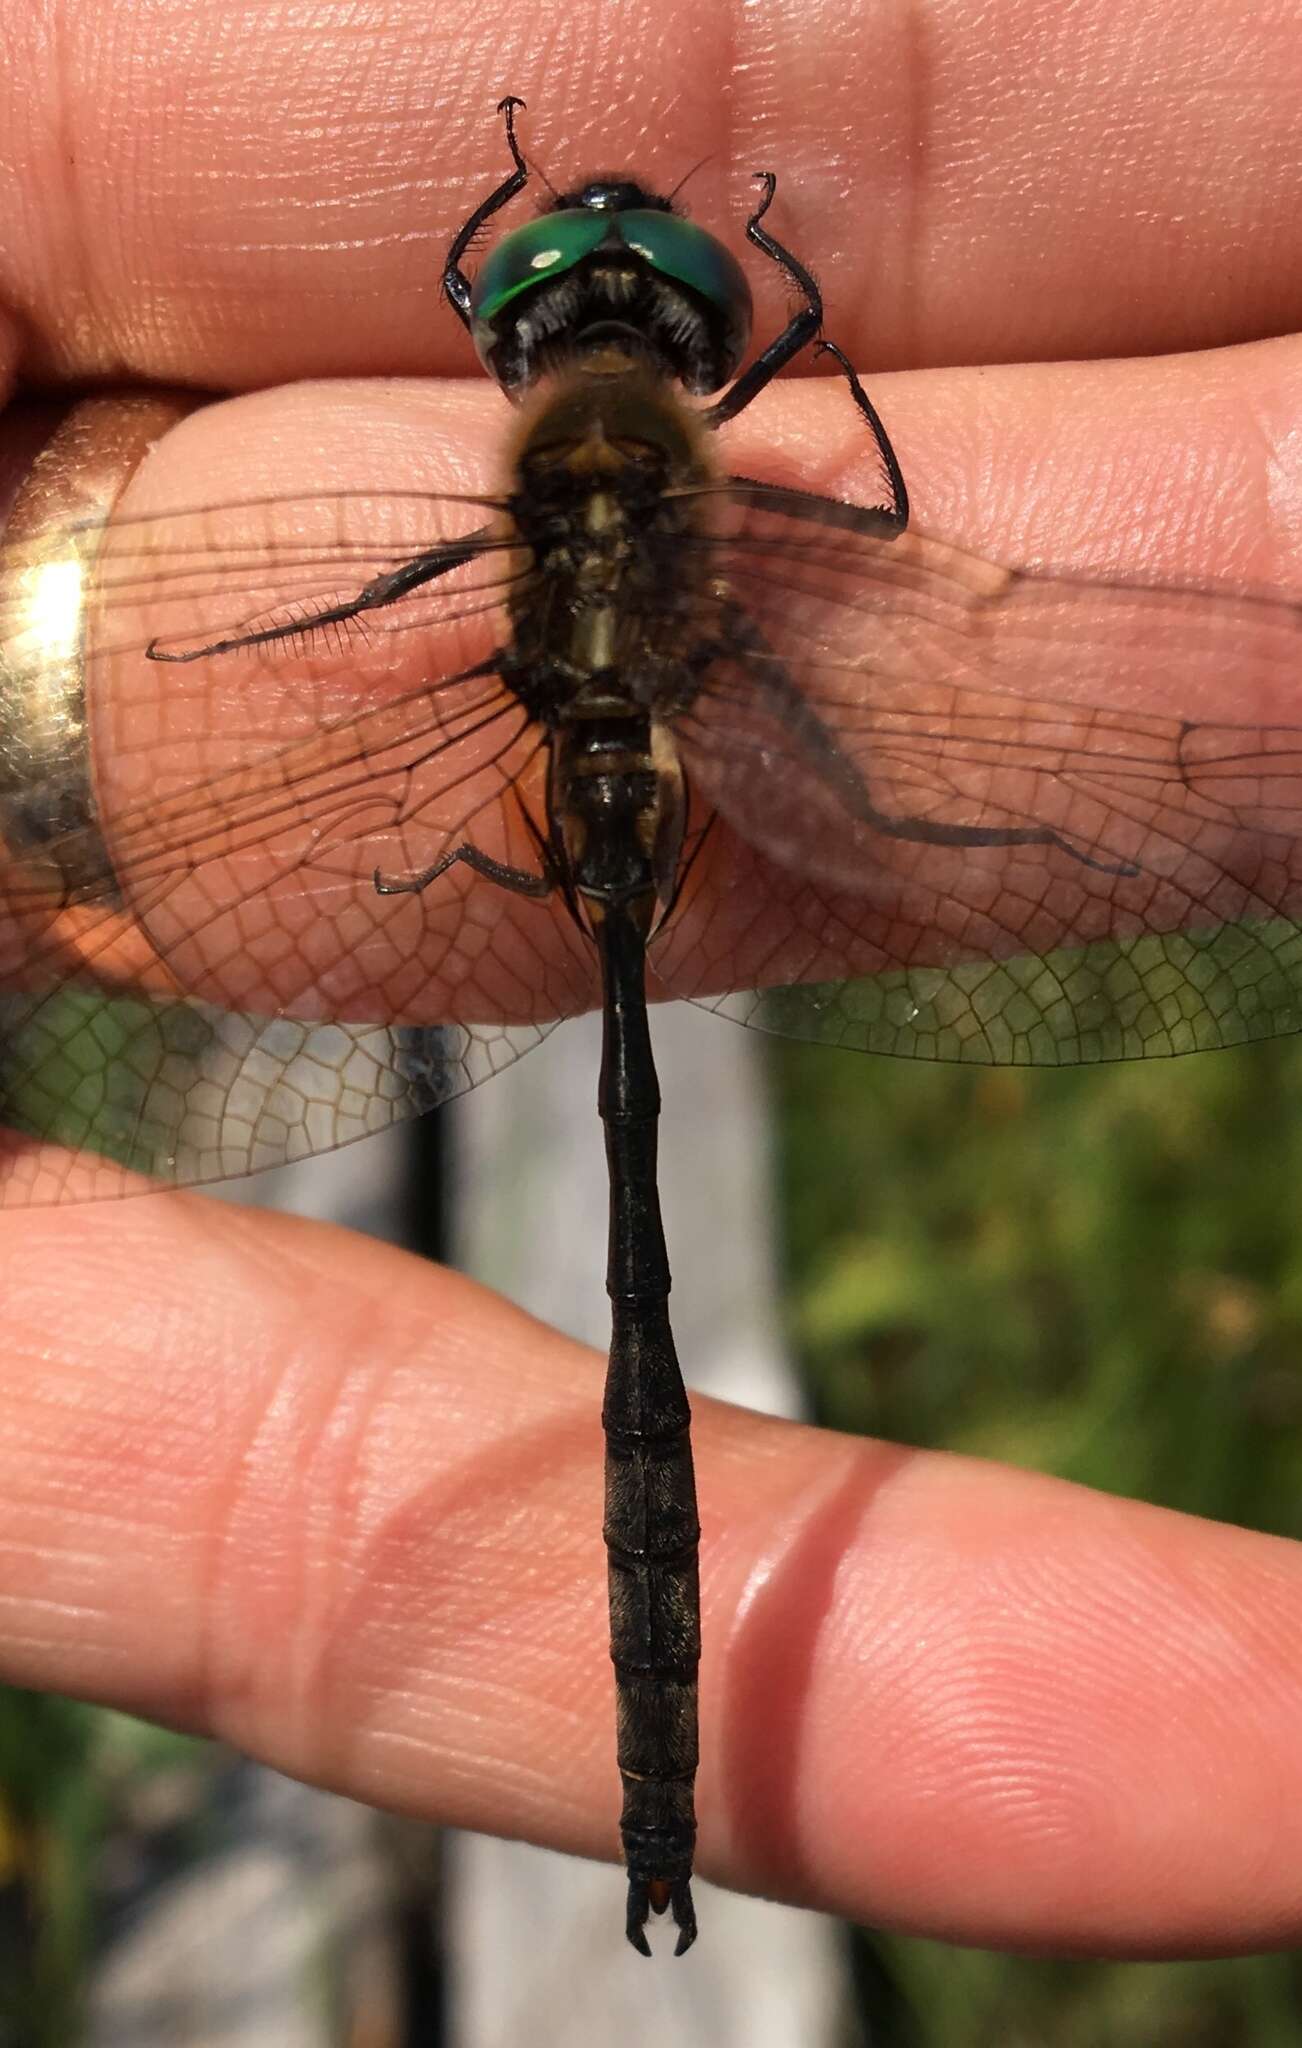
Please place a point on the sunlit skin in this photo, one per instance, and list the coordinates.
(251, 1476)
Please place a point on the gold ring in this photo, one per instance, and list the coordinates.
(48, 814)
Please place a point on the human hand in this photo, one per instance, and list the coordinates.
(264, 1500)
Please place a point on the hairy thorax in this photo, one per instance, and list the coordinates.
(607, 499)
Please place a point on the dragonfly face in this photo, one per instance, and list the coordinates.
(691, 734)
(611, 262)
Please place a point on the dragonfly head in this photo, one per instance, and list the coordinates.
(611, 252)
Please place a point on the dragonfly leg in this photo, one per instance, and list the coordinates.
(800, 330)
(924, 832)
(899, 505)
(518, 880)
(456, 285)
(820, 747)
(382, 590)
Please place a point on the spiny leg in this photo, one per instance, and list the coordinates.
(520, 881)
(382, 590)
(898, 507)
(772, 682)
(456, 285)
(801, 329)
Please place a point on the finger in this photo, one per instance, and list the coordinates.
(242, 201)
(1176, 469)
(343, 1509)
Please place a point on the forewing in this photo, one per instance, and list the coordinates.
(1003, 797)
(210, 899)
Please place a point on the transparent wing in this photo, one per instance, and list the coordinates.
(100, 1089)
(994, 798)
(999, 799)
(198, 975)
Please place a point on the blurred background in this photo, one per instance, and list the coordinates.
(1094, 1273)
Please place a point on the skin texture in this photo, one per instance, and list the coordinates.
(263, 1495)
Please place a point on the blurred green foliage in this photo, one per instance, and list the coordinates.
(73, 1782)
(51, 1812)
(1096, 1273)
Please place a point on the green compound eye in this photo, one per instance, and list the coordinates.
(677, 248)
(536, 254)
(543, 251)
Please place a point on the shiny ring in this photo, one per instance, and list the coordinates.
(48, 812)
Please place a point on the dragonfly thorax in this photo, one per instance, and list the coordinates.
(605, 498)
(611, 411)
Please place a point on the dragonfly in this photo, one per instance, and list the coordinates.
(364, 792)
